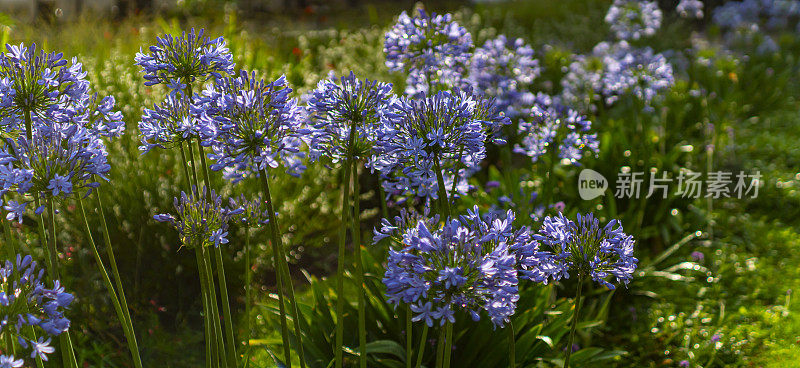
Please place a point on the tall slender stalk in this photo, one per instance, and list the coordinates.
(126, 328)
(422, 343)
(440, 347)
(214, 307)
(574, 320)
(137, 360)
(512, 349)
(356, 223)
(409, 337)
(448, 347)
(346, 168)
(248, 277)
(442, 189)
(223, 284)
(212, 346)
(283, 266)
(206, 262)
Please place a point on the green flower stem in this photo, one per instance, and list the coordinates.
(448, 347)
(223, 284)
(356, 223)
(283, 266)
(10, 242)
(340, 267)
(409, 338)
(214, 307)
(185, 166)
(440, 347)
(137, 360)
(248, 277)
(574, 320)
(512, 349)
(127, 330)
(212, 348)
(209, 336)
(442, 190)
(67, 352)
(206, 263)
(422, 343)
(382, 195)
(346, 168)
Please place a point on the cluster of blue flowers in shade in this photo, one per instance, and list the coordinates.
(202, 219)
(504, 70)
(553, 123)
(27, 303)
(634, 19)
(53, 127)
(614, 71)
(432, 49)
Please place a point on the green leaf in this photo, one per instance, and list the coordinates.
(387, 347)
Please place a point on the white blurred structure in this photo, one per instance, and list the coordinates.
(66, 9)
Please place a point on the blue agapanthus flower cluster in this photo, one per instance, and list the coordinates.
(254, 126)
(433, 49)
(61, 160)
(764, 14)
(553, 124)
(585, 248)
(504, 70)
(465, 264)
(449, 127)
(690, 9)
(253, 212)
(178, 61)
(202, 220)
(49, 90)
(171, 123)
(338, 105)
(615, 70)
(634, 19)
(25, 300)
(634, 71)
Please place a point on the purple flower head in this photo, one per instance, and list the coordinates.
(252, 126)
(613, 71)
(250, 213)
(554, 124)
(466, 263)
(185, 59)
(584, 247)
(62, 159)
(171, 123)
(8, 361)
(504, 70)
(449, 127)
(690, 9)
(25, 301)
(634, 19)
(338, 105)
(39, 88)
(201, 219)
(433, 49)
